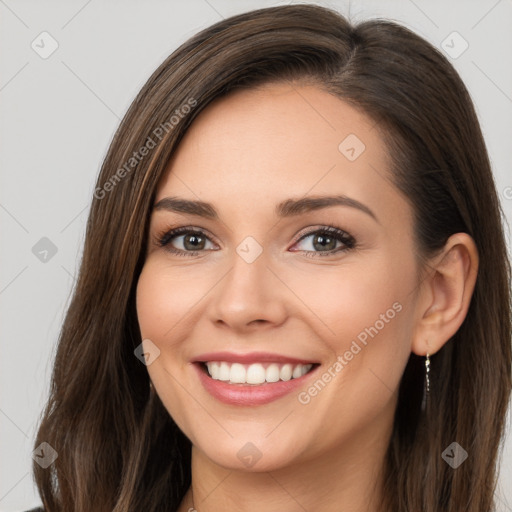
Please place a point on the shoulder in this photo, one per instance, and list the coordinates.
(38, 509)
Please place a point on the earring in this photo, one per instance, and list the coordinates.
(426, 388)
(427, 371)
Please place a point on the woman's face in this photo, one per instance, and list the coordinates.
(254, 275)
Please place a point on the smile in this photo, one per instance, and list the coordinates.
(256, 373)
(247, 384)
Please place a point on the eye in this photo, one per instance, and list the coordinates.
(190, 240)
(326, 241)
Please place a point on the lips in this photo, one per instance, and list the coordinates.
(251, 357)
(246, 394)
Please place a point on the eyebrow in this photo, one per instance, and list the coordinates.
(287, 208)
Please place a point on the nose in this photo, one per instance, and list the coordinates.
(249, 296)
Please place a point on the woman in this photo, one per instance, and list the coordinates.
(212, 359)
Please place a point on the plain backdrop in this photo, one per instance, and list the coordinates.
(59, 113)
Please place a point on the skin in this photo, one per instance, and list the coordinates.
(244, 154)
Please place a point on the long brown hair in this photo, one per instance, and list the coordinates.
(118, 448)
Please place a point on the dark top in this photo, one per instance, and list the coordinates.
(39, 509)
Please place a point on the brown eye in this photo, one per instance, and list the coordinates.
(193, 241)
(324, 241)
(184, 241)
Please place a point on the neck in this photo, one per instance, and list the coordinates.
(348, 477)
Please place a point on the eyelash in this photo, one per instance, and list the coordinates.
(163, 238)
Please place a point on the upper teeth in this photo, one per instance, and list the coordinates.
(256, 373)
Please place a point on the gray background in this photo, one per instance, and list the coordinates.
(59, 115)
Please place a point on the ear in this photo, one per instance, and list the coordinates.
(445, 294)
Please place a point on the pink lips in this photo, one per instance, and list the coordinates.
(251, 357)
(247, 394)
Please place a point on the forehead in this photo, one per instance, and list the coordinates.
(278, 141)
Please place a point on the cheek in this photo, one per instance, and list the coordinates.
(364, 316)
(354, 301)
(156, 303)
(165, 297)
(163, 303)
(162, 306)
(363, 313)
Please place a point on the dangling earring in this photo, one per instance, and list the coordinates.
(426, 387)
(427, 371)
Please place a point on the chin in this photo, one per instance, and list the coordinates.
(260, 455)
